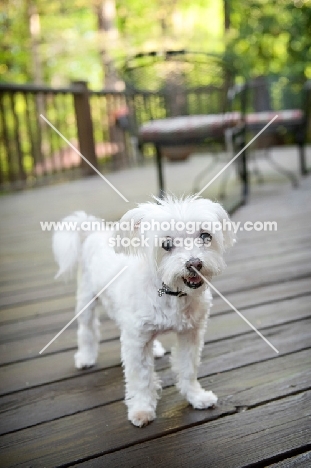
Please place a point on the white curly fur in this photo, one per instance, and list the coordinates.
(133, 301)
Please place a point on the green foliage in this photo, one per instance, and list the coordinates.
(264, 37)
(14, 53)
(68, 46)
(267, 37)
(69, 41)
(156, 24)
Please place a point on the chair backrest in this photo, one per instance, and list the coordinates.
(173, 83)
(274, 93)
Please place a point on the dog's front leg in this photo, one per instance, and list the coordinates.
(140, 379)
(185, 362)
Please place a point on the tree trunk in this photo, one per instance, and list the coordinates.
(106, 19)
(37, 76)
(35, 30)
(226, 15)
(227, 24)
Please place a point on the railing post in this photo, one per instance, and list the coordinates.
(84, 126)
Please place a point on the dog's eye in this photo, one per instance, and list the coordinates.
(206, 237)
(167, 244)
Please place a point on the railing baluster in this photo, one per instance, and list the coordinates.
(59, 124)
(84, 126)
(33, 153)
(39, 125)
(16, 130)
(54, 137)
(8, 176)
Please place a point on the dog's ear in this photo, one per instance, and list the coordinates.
(129, 231)
(135, 215)
(227, 227)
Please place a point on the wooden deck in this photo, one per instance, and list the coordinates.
(55, 416)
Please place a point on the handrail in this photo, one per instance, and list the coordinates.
(73, 89)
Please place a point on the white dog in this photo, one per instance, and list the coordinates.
(160, 243)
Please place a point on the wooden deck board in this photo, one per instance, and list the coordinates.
(241, 342)
(52, 415)
(42, 292)
(289, 374)
(220, 326)
(103, 430)
(243, 439)
(300, 461)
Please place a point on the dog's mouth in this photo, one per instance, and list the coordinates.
(193, 281)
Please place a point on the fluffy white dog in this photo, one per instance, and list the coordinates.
(159, 291)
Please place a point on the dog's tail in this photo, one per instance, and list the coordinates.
(68, 239)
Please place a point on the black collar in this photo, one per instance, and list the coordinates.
(166, 290)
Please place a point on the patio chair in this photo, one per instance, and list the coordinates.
(178, 100)
(269, 96)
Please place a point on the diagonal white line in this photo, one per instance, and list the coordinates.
(83, 157)
(236, 156)
(79, 313)
(235, 310)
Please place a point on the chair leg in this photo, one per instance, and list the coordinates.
(244, 176)
(239, 145)
(160, 170)
(302, 159)
(138, 150)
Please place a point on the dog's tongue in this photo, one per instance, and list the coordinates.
(195, 279)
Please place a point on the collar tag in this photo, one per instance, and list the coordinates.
(166, 290)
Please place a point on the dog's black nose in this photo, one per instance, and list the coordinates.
(194, 262)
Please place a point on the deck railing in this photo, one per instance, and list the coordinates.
(31, 152)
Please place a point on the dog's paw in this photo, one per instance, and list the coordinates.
(158, 349)
(141, 418)
(84, 360)
(203, 399)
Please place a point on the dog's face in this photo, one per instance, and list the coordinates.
(182, 234)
